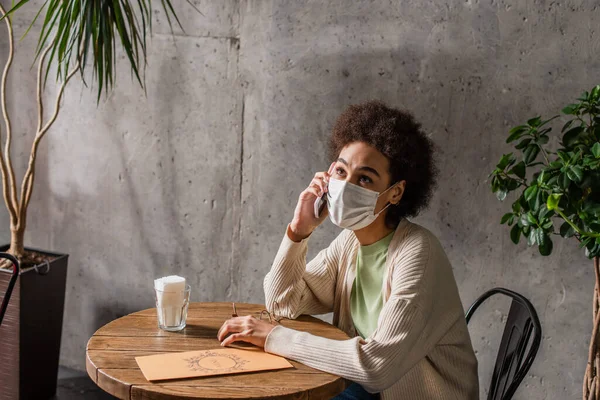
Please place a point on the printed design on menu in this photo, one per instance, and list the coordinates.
(211, 361)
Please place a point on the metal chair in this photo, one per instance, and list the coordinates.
(522, 331)
(11, 283)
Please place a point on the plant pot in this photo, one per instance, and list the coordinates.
(31, 330)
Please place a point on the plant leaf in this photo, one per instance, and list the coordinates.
(14, 7)
(563, 181)
(540, 236)
(596, 150)
(505, 161)
(505, 218)
(519, 170)
(534, 122)
(80, 30)
(515, 234)
(524, 221)
(570, 109)
(523, 143)
(570, 137)
(545, 249)
(530, 153)
(553, 201)
(575, 173)
(543, 140)
(531, 237)
(501, 194)
(595, 93)
(566, 230)
(567, 125)
(516, 133)
(530, 192)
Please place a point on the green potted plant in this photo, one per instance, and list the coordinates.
(75, 35)
(558, 194)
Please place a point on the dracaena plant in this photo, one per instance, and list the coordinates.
(74, 34)
(558, 194)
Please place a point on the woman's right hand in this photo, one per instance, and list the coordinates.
(305, 222)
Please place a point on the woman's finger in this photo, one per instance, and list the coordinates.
(309, 190)
(331, 168)
(242, 336)
(320, 185)
(225, 326)
(229, 327)
(329, 172)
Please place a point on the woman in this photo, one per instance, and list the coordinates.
(387, 280)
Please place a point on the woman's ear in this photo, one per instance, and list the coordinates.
(397, 192)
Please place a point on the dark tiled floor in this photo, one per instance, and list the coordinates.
(76, 385)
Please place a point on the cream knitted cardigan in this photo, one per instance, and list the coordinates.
(421, 348)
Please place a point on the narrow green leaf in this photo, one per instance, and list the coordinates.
(505, 161)
(534, 122)
(545, 249)
(519, 170)
(548, 120)
(545, 212)
(14, 8)
(536, 202)
(567, 125)
(34, 19)
(531, 237)
(531, 218)
(553, 180)
(553, 201)
(566, 230)
(516, 133)
(575, 173)
(530, 192)
(595, 93)
(512, 184)
(495, 183)
(548, 224)
(540, 236)
(505, 218)
(168, 7)
(596, 150)
(523, 143)
(564, 181)
(570, 109)
(524, 221)
(516, 207)
(530, 153)
(543, 140)
(515, 234)
(572, 135)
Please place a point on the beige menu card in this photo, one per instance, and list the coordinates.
(208, 362)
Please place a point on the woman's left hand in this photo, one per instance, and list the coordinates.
(246, 329)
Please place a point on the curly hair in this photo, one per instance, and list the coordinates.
(398, 136)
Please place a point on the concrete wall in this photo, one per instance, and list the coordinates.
(200, 177)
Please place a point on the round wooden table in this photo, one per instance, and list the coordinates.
(111, 352)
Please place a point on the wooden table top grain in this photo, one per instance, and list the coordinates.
(111, 352)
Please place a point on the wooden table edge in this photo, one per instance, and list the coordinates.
(123, 390)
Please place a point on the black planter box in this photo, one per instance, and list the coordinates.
(31, 331)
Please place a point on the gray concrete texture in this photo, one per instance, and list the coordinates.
(200, 177)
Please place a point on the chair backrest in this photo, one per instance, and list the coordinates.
(11, 283)
(520, 342)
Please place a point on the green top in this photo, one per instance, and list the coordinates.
(366, 299)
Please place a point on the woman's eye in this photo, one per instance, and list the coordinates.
(340, 171)
(365, 179)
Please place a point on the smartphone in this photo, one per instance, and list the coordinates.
(320, 204)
